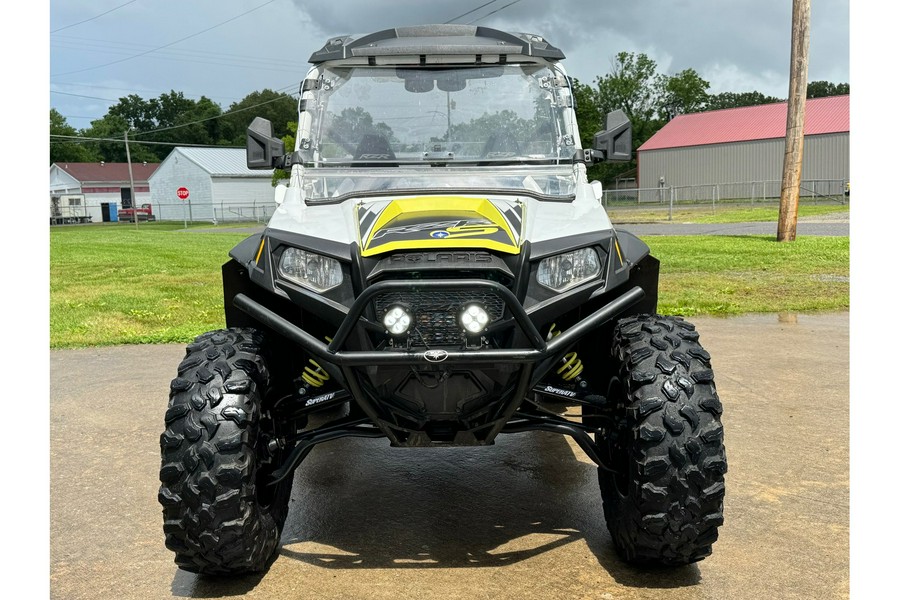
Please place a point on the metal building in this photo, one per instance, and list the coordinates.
(210, 185)
(741, 150)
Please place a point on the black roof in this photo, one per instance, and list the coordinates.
(436, 39)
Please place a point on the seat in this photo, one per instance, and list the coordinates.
(374, 146)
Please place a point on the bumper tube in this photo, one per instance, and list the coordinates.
(344, 365)
(344, 358)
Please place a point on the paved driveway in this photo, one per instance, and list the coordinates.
(518, 520)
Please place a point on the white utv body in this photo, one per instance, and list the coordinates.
(440, 269)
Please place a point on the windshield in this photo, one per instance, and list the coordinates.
(440, 127)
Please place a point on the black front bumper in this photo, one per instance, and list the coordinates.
(533, 356)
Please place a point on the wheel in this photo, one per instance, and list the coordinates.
(219, 516)
(663, 506)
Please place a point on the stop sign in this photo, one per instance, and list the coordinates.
(183, 193)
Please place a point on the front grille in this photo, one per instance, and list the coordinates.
(436, 312)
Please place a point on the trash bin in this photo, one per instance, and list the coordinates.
(113, 212)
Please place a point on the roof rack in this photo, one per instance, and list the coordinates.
(424, 40)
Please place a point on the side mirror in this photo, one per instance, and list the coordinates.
(263, 150)
(614, 143)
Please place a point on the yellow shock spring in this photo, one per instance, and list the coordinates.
(571, 364)
(314, 374)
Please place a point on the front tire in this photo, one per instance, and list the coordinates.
(219, 515)
(664, 506)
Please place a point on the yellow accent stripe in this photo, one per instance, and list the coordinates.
(441, 207)
(619, 252)
(445, 243)
(262, 245)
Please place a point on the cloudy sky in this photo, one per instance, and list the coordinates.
(105, 49)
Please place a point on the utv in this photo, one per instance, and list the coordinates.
(438, 272)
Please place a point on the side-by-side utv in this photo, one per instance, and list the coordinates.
(439, 272)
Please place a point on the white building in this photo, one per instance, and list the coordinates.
(219, 187)
(96, 190)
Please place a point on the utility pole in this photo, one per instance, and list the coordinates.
(796, 117)
(131, 178)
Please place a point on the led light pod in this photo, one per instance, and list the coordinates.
(397, 320)
(474, 318)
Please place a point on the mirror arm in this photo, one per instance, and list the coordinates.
(287, 161)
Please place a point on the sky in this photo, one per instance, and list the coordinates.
(106, 49)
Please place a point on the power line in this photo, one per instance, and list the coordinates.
(494, 11)
(62, 139)
(231, 112)
(137, 133)
(136, 47)
(186, 56)
(132, 90)
(165, 45)
(468, 13)
(200, 60)
(83, 96)
(95, 17)
(281, 90)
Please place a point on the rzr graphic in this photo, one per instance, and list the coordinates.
(454, 228)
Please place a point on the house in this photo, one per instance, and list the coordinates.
(93, 192)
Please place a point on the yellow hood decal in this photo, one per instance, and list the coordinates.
(430, 222)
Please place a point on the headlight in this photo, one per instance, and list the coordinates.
(313, 271)
(566, 270)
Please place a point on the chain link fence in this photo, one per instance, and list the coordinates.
(668, 199)
(812, 191)
(216, 213)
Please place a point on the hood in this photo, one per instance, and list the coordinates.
(435, 222)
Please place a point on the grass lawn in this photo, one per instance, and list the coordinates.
(729, 275)
(114, 284)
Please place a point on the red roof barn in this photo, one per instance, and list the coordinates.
(746, 146)
(97, 190)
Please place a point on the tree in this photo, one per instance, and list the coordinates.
(348, 128)
(112, 127)
(738, 99)
(823, 89)
(682, 93)
(174, 119)
(633, 86)
(171, 118)
(289, 143)
(587, 112)
(62, 150)
(140, 114)
(279, 108)
(478, 130)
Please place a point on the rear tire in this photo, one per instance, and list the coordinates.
(664, 506)
(219, 516)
